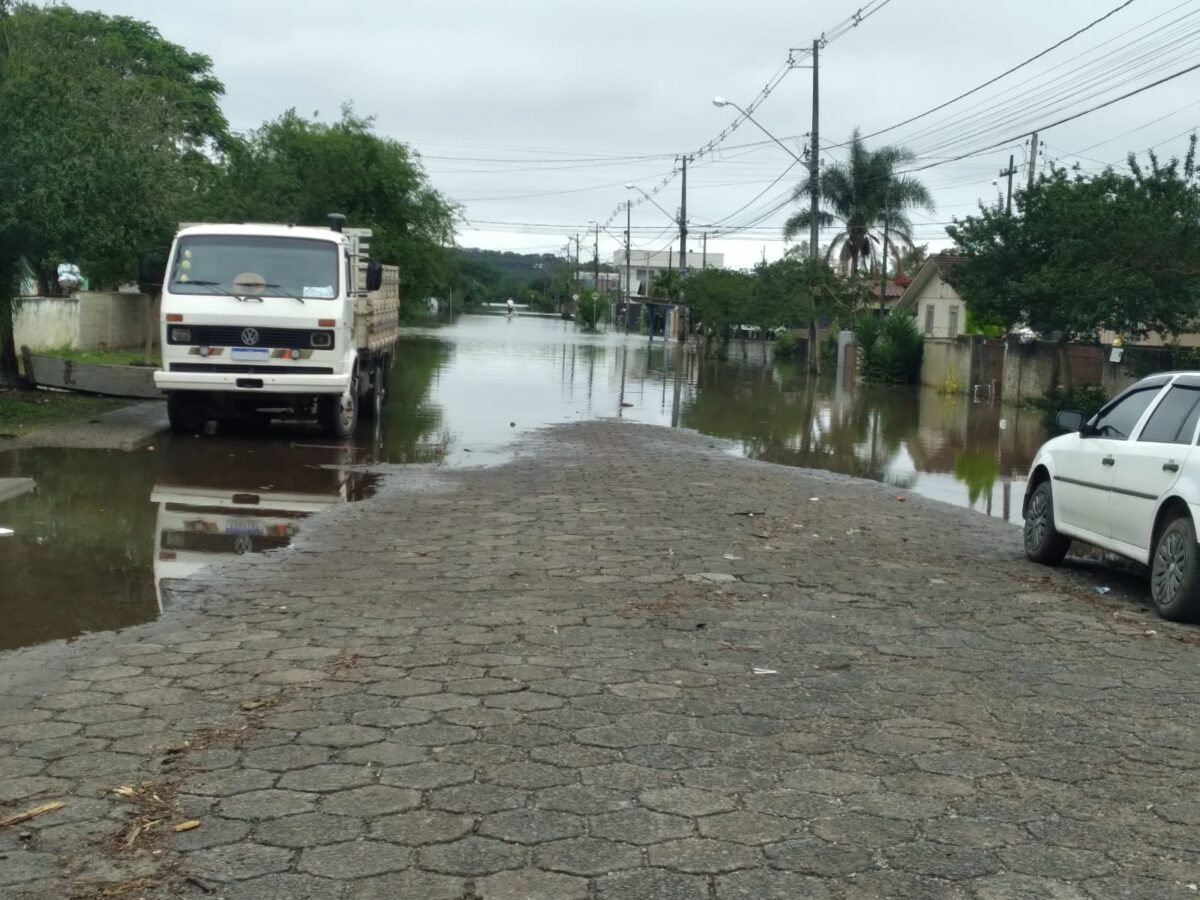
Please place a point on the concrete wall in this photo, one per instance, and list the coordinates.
(947, 365)
(88, 321)
(47, 323)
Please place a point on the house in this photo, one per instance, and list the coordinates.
(895, 290)
(939, 310)
(644, 265)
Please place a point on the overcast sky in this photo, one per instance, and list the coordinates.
(533, 114)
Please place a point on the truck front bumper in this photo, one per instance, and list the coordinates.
(251, 383)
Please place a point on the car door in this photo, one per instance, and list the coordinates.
(1084, 468)
(1147, 467)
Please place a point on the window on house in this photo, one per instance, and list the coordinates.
(929, 311)
(954, 321)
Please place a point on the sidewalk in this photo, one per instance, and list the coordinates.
(592, 673)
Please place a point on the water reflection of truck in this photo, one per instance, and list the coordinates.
(276, 321)
(219, 498)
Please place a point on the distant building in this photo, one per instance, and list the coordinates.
(644, 265)
(940, 311)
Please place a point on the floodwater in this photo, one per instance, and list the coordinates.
(102, 534)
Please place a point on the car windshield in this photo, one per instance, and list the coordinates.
(247, 265)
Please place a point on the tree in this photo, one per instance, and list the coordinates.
(667, 285)
(296, 170)
(859, 195)
(798, 290)
(912, 259)
(1088, 252)
(106, 131)
(718, 300)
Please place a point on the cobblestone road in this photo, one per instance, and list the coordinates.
(593, 674)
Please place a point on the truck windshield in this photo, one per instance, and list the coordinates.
(244, 265)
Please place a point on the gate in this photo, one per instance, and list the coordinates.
(987, 370)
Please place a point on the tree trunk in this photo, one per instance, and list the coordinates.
(10, 375)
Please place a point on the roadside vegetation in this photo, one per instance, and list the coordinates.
(24, 412)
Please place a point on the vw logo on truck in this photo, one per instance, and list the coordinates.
(249, 336)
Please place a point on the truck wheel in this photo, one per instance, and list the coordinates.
(338, 413)
(372, 401)
(185, 412)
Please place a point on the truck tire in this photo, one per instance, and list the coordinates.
(338, 413)
(185, 412)
(372, 400)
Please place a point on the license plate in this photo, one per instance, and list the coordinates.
(256, 354)
(238, 527)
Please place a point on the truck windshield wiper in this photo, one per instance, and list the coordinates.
(275, 287)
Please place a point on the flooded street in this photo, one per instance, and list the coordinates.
(93, 544)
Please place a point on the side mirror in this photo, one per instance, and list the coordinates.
(1069, 420)
(374, 275)
(152, 272)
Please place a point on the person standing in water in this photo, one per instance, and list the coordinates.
(512, 307)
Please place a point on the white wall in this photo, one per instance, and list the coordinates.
(88, 321)
(943, 299)
(47, 323)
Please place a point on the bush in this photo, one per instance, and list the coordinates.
(890, 349)
(786, 346)
(1085, 398)
(591, 310)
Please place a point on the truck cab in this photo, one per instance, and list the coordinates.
(275, 321)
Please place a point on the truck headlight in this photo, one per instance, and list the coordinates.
(321, 340)
(181, 335)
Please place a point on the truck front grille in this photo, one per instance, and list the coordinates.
(236, 336)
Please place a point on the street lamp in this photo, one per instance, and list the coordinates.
(721, 101)
(630, 186)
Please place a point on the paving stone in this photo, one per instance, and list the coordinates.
(583, 799)
(214, 831)
(531, 884)
(286, 758)
(704, 856)
(640, 826)
(415, 884)
(308, 830)
(341, 736)
(586, 856)
(477, 798)
(530, 775)
(237, 862)
(767, 884)
(354, 859)
(230, 781)
(385, 753)
(326, 778)
(942, 860)
(746, 827)
(471, 856)
(686, 801)
(426, 776)
(371, 801)
(261, 806)
(1055, 862)
(652, 884)
(532, 826)
(814, 856)
(285, 887)
(422, 826)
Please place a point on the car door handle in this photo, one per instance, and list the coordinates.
(1109, 461)
(1170, 467)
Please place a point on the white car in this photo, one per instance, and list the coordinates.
(1128, 481)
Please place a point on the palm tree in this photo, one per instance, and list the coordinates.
(860, 195)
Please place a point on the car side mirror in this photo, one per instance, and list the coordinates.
(374, 275)
(1069, 420)
(152, 272)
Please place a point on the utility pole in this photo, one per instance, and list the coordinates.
(883, 264)
(577, 253)
(682, 242)
(1009, 172)
(596, 261)
(814, 176)
(704, 253)
(628, 281)
(1033, 150)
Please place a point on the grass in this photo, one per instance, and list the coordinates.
(102, 357)
(24, 412)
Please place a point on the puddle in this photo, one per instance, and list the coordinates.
(95, 542)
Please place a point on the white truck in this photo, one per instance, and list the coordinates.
(274, 321)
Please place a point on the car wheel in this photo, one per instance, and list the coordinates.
(1043, 543)
(1175, 571)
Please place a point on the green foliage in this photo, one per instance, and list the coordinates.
(644, 319)
(978, 471)
(1089, 252)
(667, 285)
(591, 310)
(859, 195)
(786, 346)
(1085, 399)
(796, 291)
(890, 349)
(992, 330)
(296, 170)
(106, 126)
(911, 259)
(22, 412)
(719, 298)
